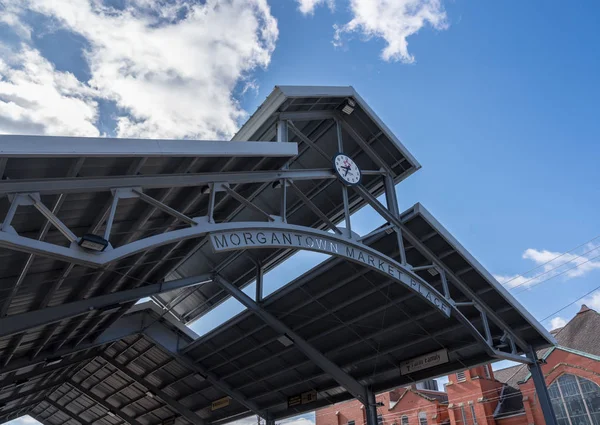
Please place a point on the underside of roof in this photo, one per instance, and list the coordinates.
(74, 346)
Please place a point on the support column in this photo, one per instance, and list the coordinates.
(269, 421)
(542, 390)
(371, 408)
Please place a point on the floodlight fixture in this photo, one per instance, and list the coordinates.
(285, 340)
(93, 242)
(349, 107)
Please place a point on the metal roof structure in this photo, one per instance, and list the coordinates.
(90, 226)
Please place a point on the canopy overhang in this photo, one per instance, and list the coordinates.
(190, 224)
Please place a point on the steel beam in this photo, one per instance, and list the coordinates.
(25, 377)
(305, 199)
(67, 412)
(21, 322)
(307, 115)
(344, 379)
(98, 400)
(164, 208)
(424, 250)
(371, 408)
(35, 390)
(307, 140)
(16, 146)
(131, 324)
(246, 202)
(539, 382)
(177, 406)
(103, 184)
(171, 343)
(366, 146)
(5, 414)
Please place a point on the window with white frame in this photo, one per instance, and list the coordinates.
(463, 415)
(486, 371)
(404, 420)
(461, 376)
(379, 420)
(350, 422)
(422, 418)
(576, 400)
(473, 414)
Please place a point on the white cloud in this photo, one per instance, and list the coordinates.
(170, 67)
(37, 99)
(557, 322)
(393, 21)
(550, 264)
(307, 7)
(593, 301)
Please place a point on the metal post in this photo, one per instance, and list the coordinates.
(340, 142)
(542, 390)
(111, 216)
(392, 203)
(11, 213)
(282, 131)
(269, 421)
(283, 207)
(371, 408)
(211, 203)
(259, 282)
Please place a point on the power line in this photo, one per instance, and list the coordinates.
(551, 260)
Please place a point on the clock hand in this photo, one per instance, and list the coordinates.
(347, 170)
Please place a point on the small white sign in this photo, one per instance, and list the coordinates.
(424, 362)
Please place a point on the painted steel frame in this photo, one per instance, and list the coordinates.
(30, 191)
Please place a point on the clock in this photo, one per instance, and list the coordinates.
(346, 169)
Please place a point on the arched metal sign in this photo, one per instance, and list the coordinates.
(318, 241)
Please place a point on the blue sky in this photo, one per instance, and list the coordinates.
(497, 100)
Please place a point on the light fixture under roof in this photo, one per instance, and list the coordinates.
(433, 271)
(349, 107)
(111, 414)
(150, 394)
(53, 361)
(285, 340)
(93, 242)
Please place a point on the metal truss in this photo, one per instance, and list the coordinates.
(447, 275)
(21, 322)
(113, 410)
(345, 380)
(177, 406)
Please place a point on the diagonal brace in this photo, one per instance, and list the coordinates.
(377, 206)
(246, 202)
(329, 367)
(163, 207)
(314, 208)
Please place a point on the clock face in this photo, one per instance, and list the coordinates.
(346, 169)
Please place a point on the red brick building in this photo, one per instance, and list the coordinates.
(481, 396)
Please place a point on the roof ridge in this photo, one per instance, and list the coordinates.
(517, 369)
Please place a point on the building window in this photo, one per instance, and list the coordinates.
(486, 370)
(463, 415)
(576, 401)
(422, 418)
(461, 376)
(350, 422)
(473, 415)
(379, 420)
(404, 420)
